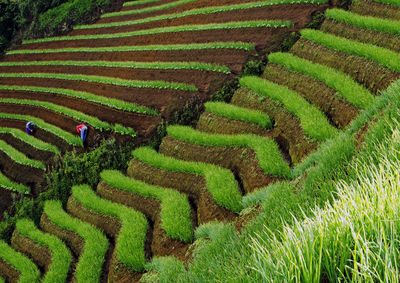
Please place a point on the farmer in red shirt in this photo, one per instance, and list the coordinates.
(82, 130)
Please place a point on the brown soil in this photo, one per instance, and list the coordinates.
(366, 72)
(166, 101)
(261, 37)
(192, 185)
(298, 14)
(214, 124)
(241, 161)
(6, 200)
(144, 125)
(370, 8)
(234, 59)
(41, 255)
(339, 112)
(31, 152)
(385, 40)
(161, 244)
(287, 131)
(8, 272)
(201, 79)
(39, 133)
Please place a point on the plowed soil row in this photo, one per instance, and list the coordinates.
(298, 14)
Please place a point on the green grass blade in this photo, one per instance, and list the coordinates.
(139, 2)
(19, 157)
(12, 186)
(312, 120)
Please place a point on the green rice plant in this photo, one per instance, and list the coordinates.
(342, 83)
(175, 209)
(220, 181)
(313, 121)
(239, 113)
(382, 56)
(184, 28)
(166, 267)
(12, 186)
(266, 150)
(389, 2)
(364, 22)
(138, 2)
(68, 137)
(104, 80)
(109, 102)
(60, 255)
(201, 11)
(29, 273)
(199, 66)
(149, 9)
(31, 140)
(19, 157)
(2, 280)
(93, 121)
(90, 262)
(130, 243)
(134, 48)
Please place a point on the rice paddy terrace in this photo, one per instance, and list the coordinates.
(173, 51)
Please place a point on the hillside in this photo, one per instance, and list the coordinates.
(273, 150)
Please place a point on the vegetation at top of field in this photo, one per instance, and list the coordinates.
(166, 47)
(31, 140)
(60, 255)
(389, 2)
(220, 181)
(12, 186)
(239, 113)
(183, 28)
(201, 11)
(107, 101)
(130, 242)
(175, 209)
(28, 272)
(138, 2)
(382, 56)
(344, 84)
(90, 262)
(313, 121)
(127, 64)
(19, 157)
(104, 80)
(364, 22)
(266, 150)
(80, 116)
(66, 136)
(149, 9)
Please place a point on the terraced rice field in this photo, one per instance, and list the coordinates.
(273, 122)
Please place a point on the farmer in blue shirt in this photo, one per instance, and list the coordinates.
(30, 128)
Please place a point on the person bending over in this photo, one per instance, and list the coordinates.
(30, 128)
(82, 130)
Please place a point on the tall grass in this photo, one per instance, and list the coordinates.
(106, 101)
(66, 136)
(175, 209)
(90, 262)
(266, 150)
(93, 121)
(6, 183)
(31, 140)
(239, 113)
(199, 66)
(313, 121)
(60, 255)
(172, 29)
(345, 85)
(220, 181)
(104, 80)
(130, 242)
(138, 2)
(202, 11)
(137, 48)
(19, 157)
(382, 56)
(29, 273)
(364, 22)
(353, 239)
(149, 9)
